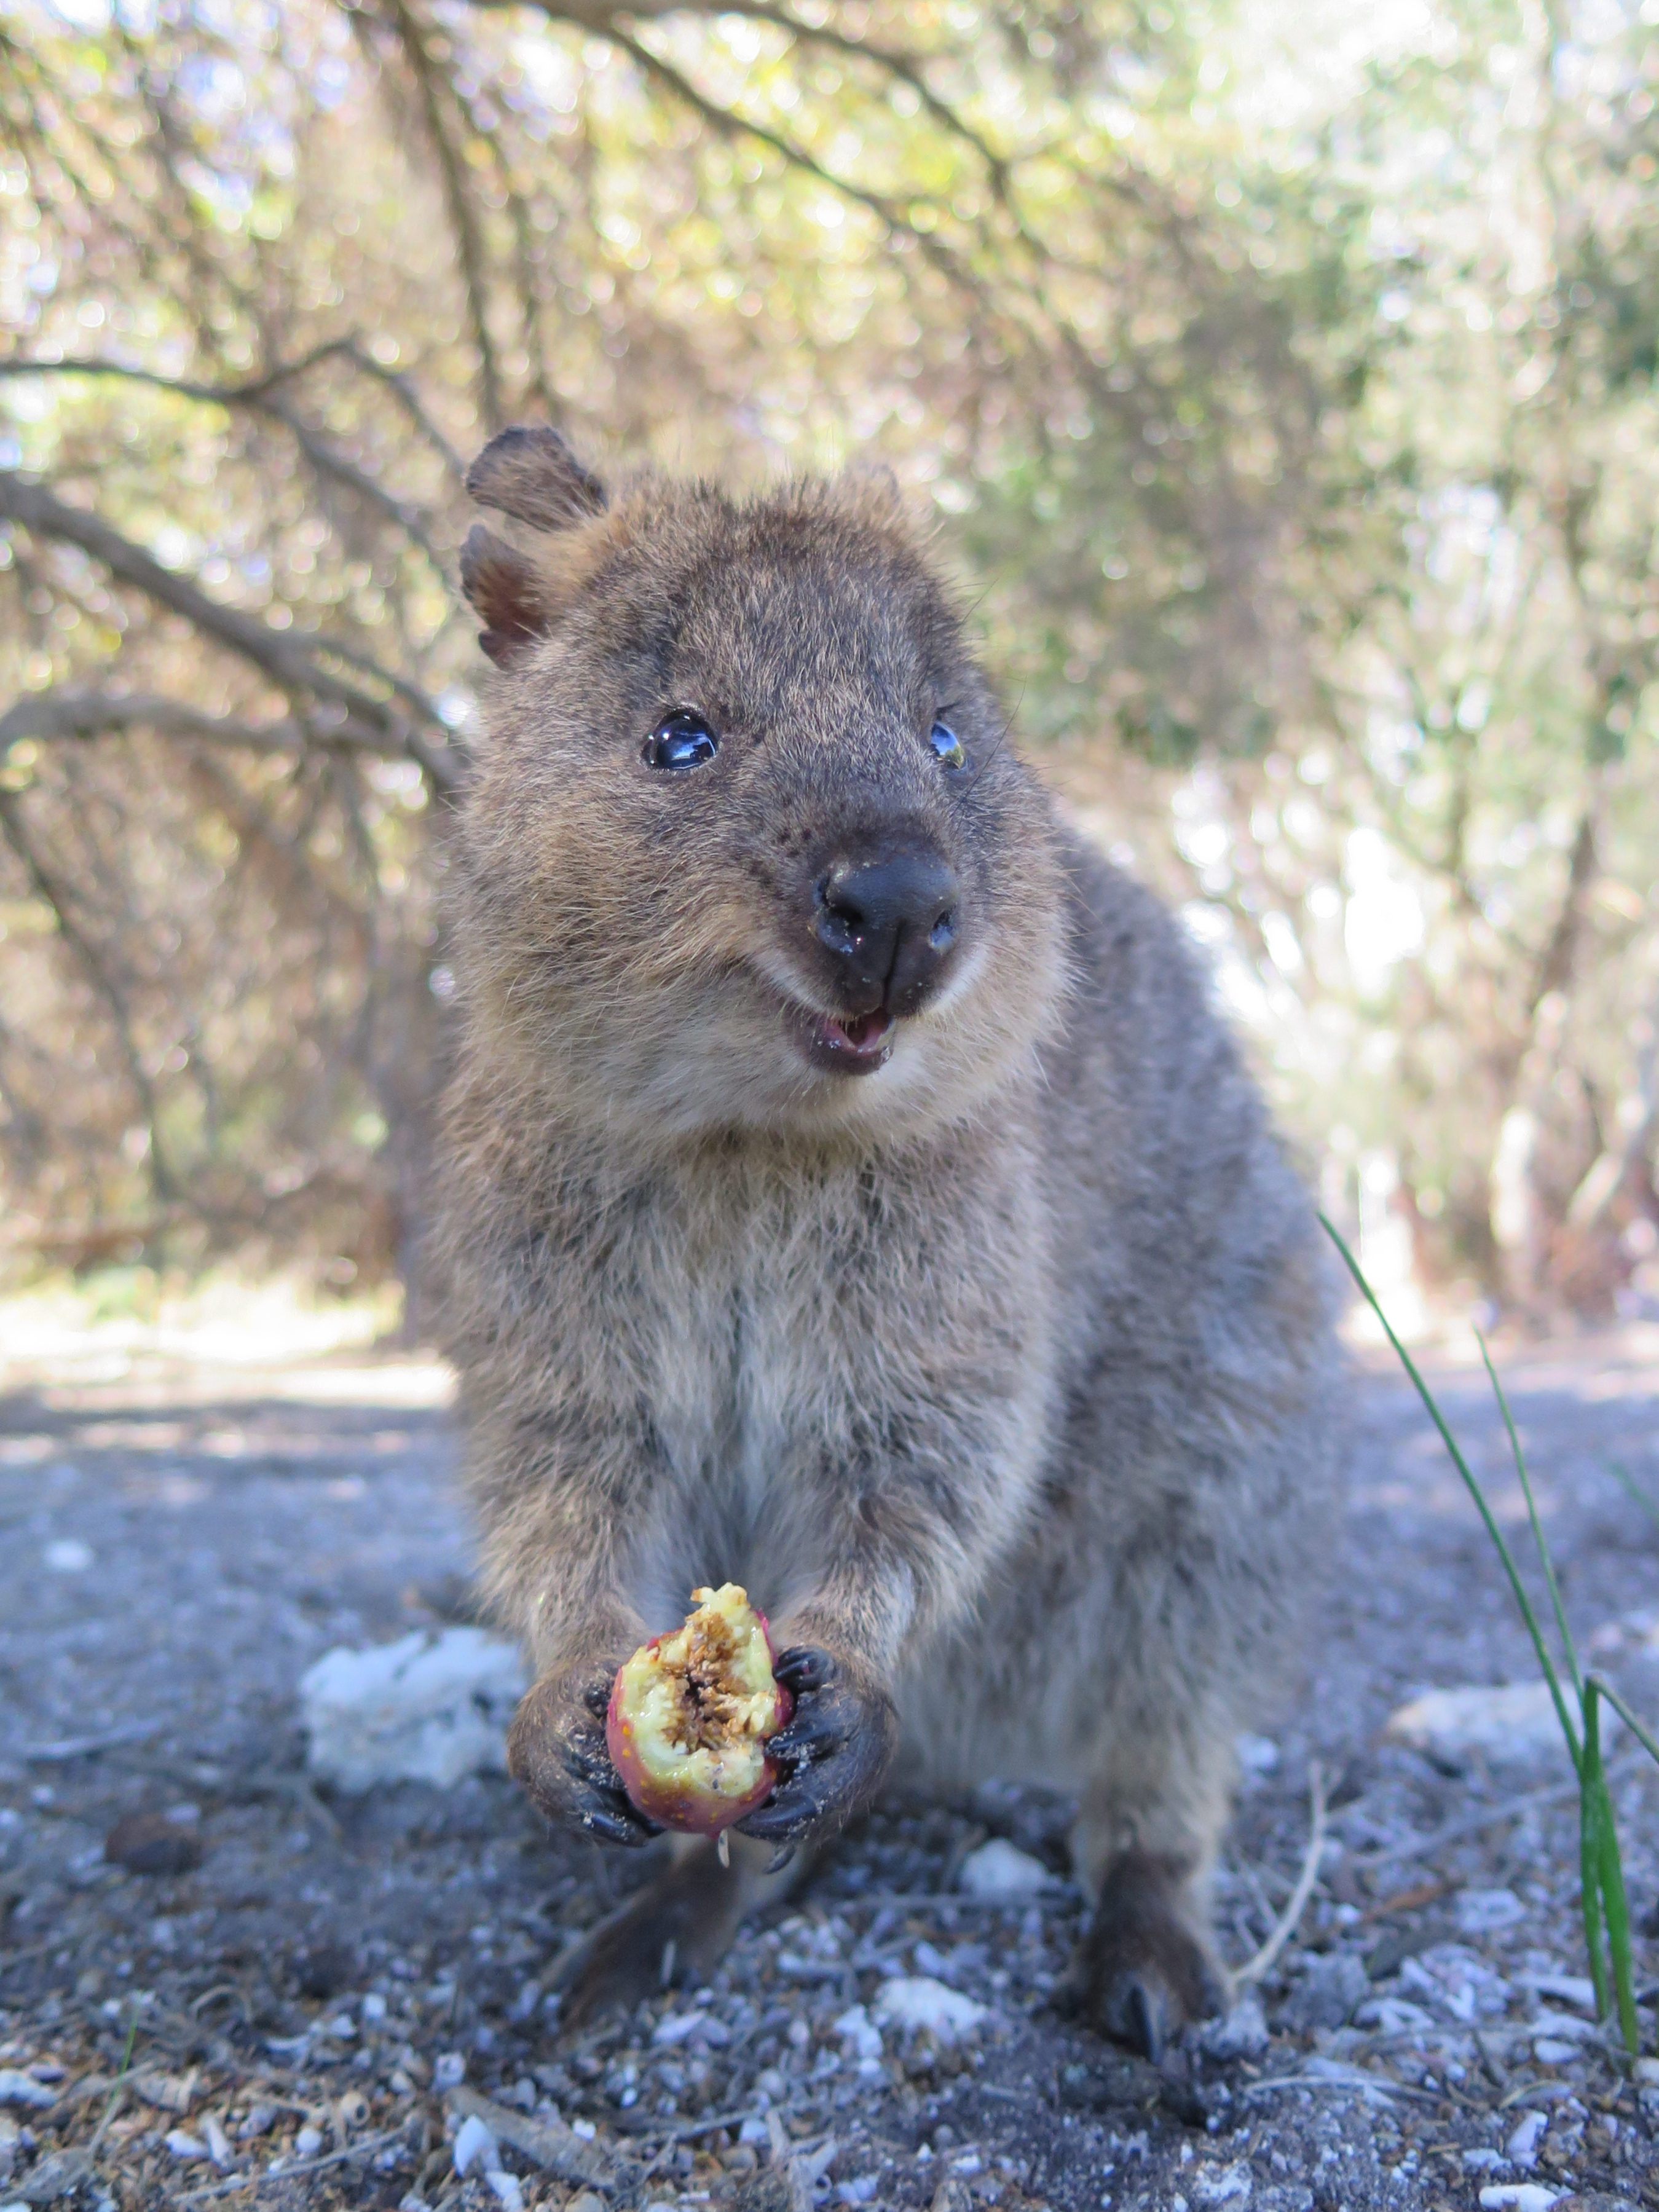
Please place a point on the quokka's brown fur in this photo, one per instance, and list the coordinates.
(1001, 1376)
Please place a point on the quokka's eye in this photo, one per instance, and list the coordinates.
(947, 746)
(682, 740)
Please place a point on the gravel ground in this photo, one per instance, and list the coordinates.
(313, 1999)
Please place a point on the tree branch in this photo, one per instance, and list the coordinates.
(907, 68)
(260, 399)
(259, 391)
(731, 125)
(49, 716)
(11, 828)
(470, 244)
(1555, 962)
(291, 662)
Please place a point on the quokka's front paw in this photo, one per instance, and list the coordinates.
(556, 1749)
(833, 1753)
(1144, 1971)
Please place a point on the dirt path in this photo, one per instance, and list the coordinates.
(177, 1543)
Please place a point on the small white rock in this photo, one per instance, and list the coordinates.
(913, 2003)
(1514, 1724)
(1566, 2026)
(1330, 1992)
(218, 2144)
(1257, 1754)
(1646, 2072)
(1228, 2185)
(475, 2145)
(1571, 1988)
(504, 2187)
(184, 2145)
(999, 1870)
(678, 2027)
(17, 2089)
(1483, 1912)
(68, 1555)
(428, 1707)
(1548, 2051)
(857, 2030)
(1395, 2016)
(1519, 2197)
(1522, 2145)
(1242, 2034)
(308, 2142)
(448, 2069)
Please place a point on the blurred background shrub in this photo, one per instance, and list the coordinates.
(1281, 385)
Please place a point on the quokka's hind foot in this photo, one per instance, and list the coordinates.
(1144, 1970)
(673, 1932)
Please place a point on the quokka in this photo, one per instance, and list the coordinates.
(850, 1193)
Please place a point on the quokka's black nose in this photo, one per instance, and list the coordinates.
(890, 920)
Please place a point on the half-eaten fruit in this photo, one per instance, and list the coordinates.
(692, 1714)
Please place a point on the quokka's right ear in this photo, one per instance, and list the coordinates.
(530, 474)
(507, 593)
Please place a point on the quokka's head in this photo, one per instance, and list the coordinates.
(745, 846)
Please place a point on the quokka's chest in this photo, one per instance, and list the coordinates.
(757, 1326)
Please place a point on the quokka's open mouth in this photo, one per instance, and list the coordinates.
(844, 1044)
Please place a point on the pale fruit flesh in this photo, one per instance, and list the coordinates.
(692, 1714)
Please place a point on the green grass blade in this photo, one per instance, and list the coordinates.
(1545, 1560)
(1516, 1585)
(1609, 1873)
(1591, 1853)
(1605, 1689)
(1615, 1908)
(1633, 1490)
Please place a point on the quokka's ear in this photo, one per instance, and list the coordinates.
(507, 593)
(531, 473)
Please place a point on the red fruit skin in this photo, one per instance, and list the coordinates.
(694, 1812)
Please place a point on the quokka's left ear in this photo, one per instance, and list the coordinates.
(530, 474)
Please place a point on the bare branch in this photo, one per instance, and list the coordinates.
(328, 462)
(293, 662)
(402, 388)
(261, 399)
(731, 125)
(51, 893)
(260, 392)
(906, 67)
(48, 716)
(411, 39)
